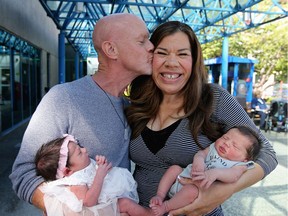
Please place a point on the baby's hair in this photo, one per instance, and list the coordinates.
(47, 158)
(254, 149)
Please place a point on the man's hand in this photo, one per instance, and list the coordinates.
(37, 199)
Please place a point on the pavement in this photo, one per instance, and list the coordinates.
(10, 204)
(268, 197)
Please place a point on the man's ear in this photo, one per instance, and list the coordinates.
(110, 49)
(67, 171)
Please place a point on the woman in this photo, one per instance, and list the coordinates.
(175, 113)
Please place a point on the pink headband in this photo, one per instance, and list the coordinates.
(64, 155)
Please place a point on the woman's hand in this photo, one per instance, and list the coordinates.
(207, 200)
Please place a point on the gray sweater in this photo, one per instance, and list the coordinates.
(79, 108)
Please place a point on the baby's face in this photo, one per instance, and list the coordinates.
(78, 157)
(233, 145)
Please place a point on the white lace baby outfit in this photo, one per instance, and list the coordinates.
(118, 183)
(212, 160)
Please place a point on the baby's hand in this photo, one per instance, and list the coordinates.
(100, 159)
(103, 169)
(103, 166)
(206, 178)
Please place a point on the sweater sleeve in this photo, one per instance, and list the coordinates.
(230, 113)
(48, 122)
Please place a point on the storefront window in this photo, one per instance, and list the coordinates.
(19, 83)
(5, 90)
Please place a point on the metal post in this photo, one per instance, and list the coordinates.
(224, 68)
(61, 49)
(250, 84)
(236, 70)
(76, 65)
(81, 68)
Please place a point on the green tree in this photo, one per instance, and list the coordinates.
(266, 43)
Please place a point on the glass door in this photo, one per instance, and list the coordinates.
(5, 90)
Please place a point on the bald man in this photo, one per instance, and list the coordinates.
(91, 108)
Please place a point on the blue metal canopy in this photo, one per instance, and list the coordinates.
(210, 19)
(232, 59)
(19, 45)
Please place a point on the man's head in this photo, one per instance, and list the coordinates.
(122, 42)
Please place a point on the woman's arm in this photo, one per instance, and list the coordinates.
(228, 112)
(218, 192)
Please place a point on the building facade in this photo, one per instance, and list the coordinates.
(28, 59)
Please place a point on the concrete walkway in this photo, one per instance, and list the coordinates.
(266, 198)
(9, 202)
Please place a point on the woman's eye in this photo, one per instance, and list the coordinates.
(159, 52)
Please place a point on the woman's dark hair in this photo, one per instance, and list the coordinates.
(47, 157)
(146, 97)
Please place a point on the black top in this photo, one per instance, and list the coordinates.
(155, 140)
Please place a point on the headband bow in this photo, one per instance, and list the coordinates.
(64, 155)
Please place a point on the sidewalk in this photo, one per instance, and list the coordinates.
(9, 202)
(268, 197)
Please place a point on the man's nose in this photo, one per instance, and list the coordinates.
(150, 46)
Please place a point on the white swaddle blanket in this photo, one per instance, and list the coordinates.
(118, 183)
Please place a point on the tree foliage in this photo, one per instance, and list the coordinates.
(266, 43)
